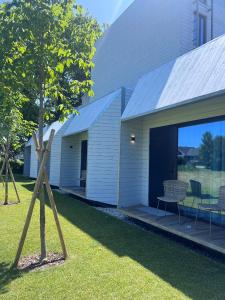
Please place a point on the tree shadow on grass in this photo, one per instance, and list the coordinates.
(194, 275)
(7, 275)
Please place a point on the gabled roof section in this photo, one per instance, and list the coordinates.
(31, 142)
(47, 130)
(56, 126)
(89, 113)
(197, 75)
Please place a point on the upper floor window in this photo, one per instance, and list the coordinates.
(202, 35)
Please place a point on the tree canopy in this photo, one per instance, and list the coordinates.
(50, 47)
(212, 151)
(14, 129)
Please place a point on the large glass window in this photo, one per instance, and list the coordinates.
(201, 161)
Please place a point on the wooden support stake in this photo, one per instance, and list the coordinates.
(2, 169)
(52, 202)
(11, 175)
(38, 183)
(55, 213)
(14, 183)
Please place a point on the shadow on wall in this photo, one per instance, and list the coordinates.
(173, 263)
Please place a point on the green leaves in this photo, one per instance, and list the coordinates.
(22, 49)
(60, 67)
(13, 127)
(47, 48)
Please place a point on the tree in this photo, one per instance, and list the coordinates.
(218, 161)
(50, 47)
(206, 150)
(13, 129)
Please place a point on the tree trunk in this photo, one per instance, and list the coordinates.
(42, 192)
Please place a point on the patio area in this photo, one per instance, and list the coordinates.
(197, 233)
(75, 190)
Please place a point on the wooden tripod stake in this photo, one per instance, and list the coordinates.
(8, 170)
(41, 179)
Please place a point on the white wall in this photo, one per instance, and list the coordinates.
(27, 160)
(219, 17)
(131, 164)
(103, 155)
(71, 159)
(146, 35)
(33, 162)
(134, 164)
(55, 155)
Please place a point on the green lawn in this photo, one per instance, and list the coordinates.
(108, 259)
(210, 180)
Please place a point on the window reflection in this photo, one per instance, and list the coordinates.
(201, 161)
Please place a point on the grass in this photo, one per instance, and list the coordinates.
(108, 259)
(210, 180)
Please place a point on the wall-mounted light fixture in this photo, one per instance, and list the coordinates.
(132, 139)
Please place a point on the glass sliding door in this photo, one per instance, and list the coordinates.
(201, 161)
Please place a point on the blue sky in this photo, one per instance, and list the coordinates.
(105, 11)
(191, 136)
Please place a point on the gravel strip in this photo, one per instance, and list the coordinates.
(117, 214)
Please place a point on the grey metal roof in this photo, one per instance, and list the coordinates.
(56, 126)
(194, 76)
(31, 142)
(47, 130)
(89, 113)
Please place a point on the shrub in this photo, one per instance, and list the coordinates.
(16, 165)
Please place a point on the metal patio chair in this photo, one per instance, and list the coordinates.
(175, 191)
(218, 207)
(196, 191)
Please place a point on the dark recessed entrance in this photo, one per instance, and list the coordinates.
(83, 171)
(163, 160)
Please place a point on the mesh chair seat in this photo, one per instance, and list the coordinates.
(168, 199)
(174, 192)
(219, 207)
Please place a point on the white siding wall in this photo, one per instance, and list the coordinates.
(103, 155)
(71, 159)
(134, 165)
(33, 163)
(27, 159)
(55, 156)
(133, 44)
(131, 166)
(148, 34)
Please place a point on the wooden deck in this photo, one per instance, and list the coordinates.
(187, 229)
(76, 191)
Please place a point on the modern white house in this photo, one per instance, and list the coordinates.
(161, 51)
(179, 104)
(85, 153)
(91, 149)
(30, 155)
(184, 93)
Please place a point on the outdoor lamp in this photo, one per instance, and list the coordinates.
(132, 139)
